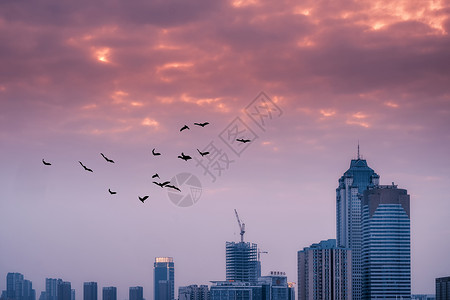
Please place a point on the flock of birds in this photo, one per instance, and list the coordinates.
(165, 184)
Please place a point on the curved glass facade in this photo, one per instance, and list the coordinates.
(386, 254)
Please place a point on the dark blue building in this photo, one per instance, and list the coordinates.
(164, 278)
(348, 214)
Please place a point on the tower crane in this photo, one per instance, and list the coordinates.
(259, 254)
(241, 226)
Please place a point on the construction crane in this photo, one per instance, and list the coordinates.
(241, 226)
(259, 254)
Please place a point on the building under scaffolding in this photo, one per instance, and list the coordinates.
(242, 264)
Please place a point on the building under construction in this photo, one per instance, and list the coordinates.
(242, 262)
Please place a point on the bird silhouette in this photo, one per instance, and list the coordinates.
(86, 168)
(155, 176)
(46, 163)
(201, 124)
(242, 140)
(107, 159)
(184, 157)
(184, 127)
(203, 153)
(161, 184)
(143, 198)
(111, 192)
(155, 153)
(173, 187)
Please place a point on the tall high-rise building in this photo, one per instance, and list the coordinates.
(28, 292)
(109, 293)
(64, 291)
(90, 291)
(72, 295)
(348, 214)
(136, 293)
(18, 288)
(386, 246)
(51, 288)
(443, 288)
(241, 261)
(164, 278)
(324, 272)
(14, 285)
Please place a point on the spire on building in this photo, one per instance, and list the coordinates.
(358, 151)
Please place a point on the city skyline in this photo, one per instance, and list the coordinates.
(122, 79)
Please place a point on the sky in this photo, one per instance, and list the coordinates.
(304, 80)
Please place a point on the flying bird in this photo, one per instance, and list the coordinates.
(202, 124)
(173, 187)
(184, 127)
(86, 168)
(155, 153)
(203, 153)
(242, 140)
(111, 192)
(155, 176)
(161, 184)
(107, 159)
(46, 163)
(143, 198)
(184, 157)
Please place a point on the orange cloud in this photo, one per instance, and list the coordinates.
(358, 119)
(103, 54)
(150, 122)
(327, 113)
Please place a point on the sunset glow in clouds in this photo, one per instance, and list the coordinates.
(122, 78)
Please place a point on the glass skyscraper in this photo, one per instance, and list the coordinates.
(348, 214)
(164, 278)
(386, 246)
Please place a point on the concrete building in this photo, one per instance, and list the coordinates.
(443, 288)
(18, 288)
(270, 287)
(51, 288)
(238, 290)
(348, 214)
(109, 293)
(324, 272)
(423, 297)
(193, 292)
(90, 291)
(136, 293)
(164, 278)
(64, 291)
(386, 246)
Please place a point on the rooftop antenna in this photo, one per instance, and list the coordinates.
(358, 151)
(241, 226)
